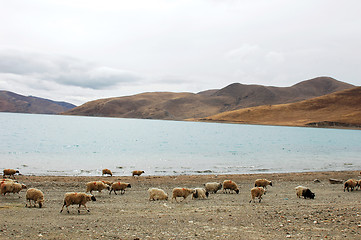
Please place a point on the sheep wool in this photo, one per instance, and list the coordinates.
(119, 186)
(106, 171)
(257, 192)
(137, 173)
(10, 172)
(262, 183)
(213, 187)
(230, 185)
(157, 194)
(73, 198)
(200, 193)
(181, 192)
(36, 195)
(96, 186)
(11, 187)
(350, 184)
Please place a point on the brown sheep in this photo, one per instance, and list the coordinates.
(36, 195)
(350, 184)
(106, 171)
(182, 192)
(304, 192)
(257, 192)
(262, 183)
(10, 172)
(137, 173)
(119, 186)
(73, 198)
(230, 185)
(11, 187)
(96, 186)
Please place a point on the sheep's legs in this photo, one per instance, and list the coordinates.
(67, 209)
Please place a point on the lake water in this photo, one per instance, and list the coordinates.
(72, 145)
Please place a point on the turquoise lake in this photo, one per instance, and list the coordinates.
(73, 145)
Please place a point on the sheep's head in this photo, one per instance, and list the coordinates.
(23, 186)
(129, 186)
(93, 198)
(207, 194)
(41, 203)
(17, 171)
(270, 183)
(237, 191)
(195, 194)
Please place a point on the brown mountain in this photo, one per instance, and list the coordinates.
(180, 106)
(341, 108)
(12, 102)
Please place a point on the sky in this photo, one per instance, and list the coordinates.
(82, 50)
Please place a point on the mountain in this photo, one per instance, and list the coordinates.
(180, 106)
(342, 109)
(12, 102)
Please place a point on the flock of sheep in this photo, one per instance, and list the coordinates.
(74, 198)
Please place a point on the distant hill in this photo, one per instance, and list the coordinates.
(180, 106)
(340, 109)
(12, 102)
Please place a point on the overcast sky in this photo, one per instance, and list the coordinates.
(82, 50)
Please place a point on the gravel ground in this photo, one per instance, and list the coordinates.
(333, 214)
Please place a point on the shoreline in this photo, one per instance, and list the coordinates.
(333, 214)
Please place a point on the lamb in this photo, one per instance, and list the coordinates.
(96, 186)
(262, 183)
(213, 187)
(305, 192)
(229, 184)
(36, 195)
(157, 194)
(137, 173)
(200, 193)
(11, 187)
(257, 192)
(72, 198)
(107, 171)
(181, 192)
(119, 186)
(350, 184)
(10, 172)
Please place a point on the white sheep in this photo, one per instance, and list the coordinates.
(230, 185)
(157, 194)
(350, 184)
(36, 195)
(106, 171)
(96, 186)
(119, 186)
(11, 187)
(262, 183)
(213, 187)
(257, 192)
(181, 192)
(73, 198)
(10, 172)
(137, 173)
(200, 193)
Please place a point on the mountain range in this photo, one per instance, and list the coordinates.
(12, 102)
(181, 106)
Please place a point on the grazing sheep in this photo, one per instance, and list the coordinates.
(262, 183)
(73, 198)
(305, 192)
(181, 192)
(10, 172)
(11, 187)
(36, 195)
(350, 184)
(213, 187)
(257, 192)
(157, 194)
(119, 186)
(200, 193)
(230, 185)
(137, 173)
(96, 186)
(106, 171)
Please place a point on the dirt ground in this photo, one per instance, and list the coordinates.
(333, 214)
